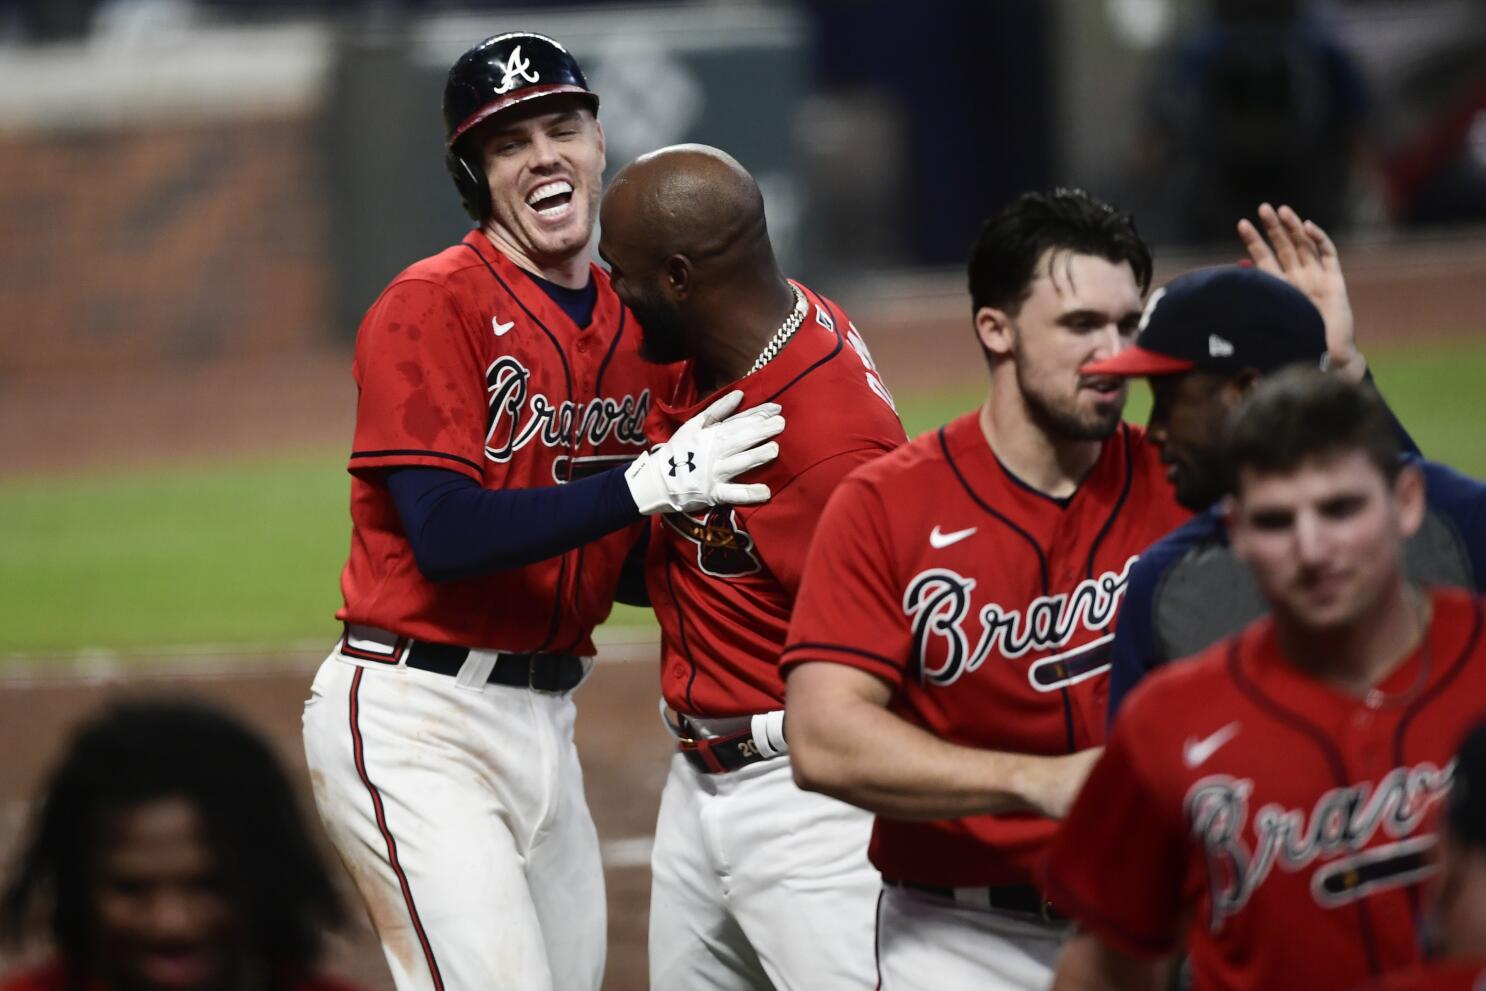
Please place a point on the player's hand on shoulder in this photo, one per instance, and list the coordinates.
(696, 467)
(1302, 254)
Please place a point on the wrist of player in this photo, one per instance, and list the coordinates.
(1351, 366)
(1048, 785)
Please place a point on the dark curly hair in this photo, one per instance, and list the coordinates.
(140, 751)
(1003, 260)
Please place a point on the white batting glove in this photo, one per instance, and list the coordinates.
(696, 467)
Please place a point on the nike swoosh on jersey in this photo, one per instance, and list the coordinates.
(500, 328)
(1196, 752)
(939, 540)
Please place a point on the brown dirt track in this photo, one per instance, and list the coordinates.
(163, 413)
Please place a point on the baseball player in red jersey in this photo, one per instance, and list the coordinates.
(756, 884)
(948, 652)
(502, 395)
(1454, 918)
(1271, 800)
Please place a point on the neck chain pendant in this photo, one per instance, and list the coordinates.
(784, 333)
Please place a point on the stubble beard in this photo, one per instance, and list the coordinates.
(662, 338)
(1063, 420)
(1198, 483)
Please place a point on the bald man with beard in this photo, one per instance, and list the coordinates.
(756, 884)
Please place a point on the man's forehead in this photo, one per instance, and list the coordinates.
(529, 116)
(1075, 278)
(1316, 478)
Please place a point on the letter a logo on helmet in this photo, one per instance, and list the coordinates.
(517, 69)
(505, 70)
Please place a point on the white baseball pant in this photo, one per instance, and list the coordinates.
(457, 808)
(756, 885)
(927, 943)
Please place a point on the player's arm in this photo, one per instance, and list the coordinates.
(845, 743)
(1087, 963)
(457, 528)
(1302, 254)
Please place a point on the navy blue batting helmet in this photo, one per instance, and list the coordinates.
(497, 74)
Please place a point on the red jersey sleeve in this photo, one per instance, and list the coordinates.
(791, 514)
(1117, 863)
(849, 609)
(419, 373)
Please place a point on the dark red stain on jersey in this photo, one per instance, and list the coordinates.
(422, 419)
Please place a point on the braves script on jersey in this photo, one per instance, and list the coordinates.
(723, 581)
(1288, 821)
(464, 364)
(988, 607)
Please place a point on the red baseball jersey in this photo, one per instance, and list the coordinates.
(988, 607)
(1445, 975)
(464, 363)
(1282, 824)
(723, 581)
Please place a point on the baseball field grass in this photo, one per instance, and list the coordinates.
(248, 554)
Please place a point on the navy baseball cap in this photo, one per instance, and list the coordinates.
(1222, 320)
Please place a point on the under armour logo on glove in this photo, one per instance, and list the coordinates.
(715, 446)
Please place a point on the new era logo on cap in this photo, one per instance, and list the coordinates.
(1221, 320)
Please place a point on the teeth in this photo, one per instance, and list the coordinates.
(549, 189)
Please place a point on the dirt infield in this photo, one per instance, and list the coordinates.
(623, 747)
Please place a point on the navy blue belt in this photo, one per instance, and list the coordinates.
(1022, 899)
(539, 672)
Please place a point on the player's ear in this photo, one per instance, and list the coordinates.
(1237, 386)
(677, 269)
(1408, 492)
(994, 329)
(598, 129)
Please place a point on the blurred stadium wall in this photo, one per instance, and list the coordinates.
(224, 179)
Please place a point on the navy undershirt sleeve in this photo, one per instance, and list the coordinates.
(459, 529)
(632, 590)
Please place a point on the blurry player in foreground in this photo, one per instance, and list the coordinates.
(1456, 910)
(167, 853)
(1270, 799)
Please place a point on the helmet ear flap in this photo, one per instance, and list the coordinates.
(474, 189)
